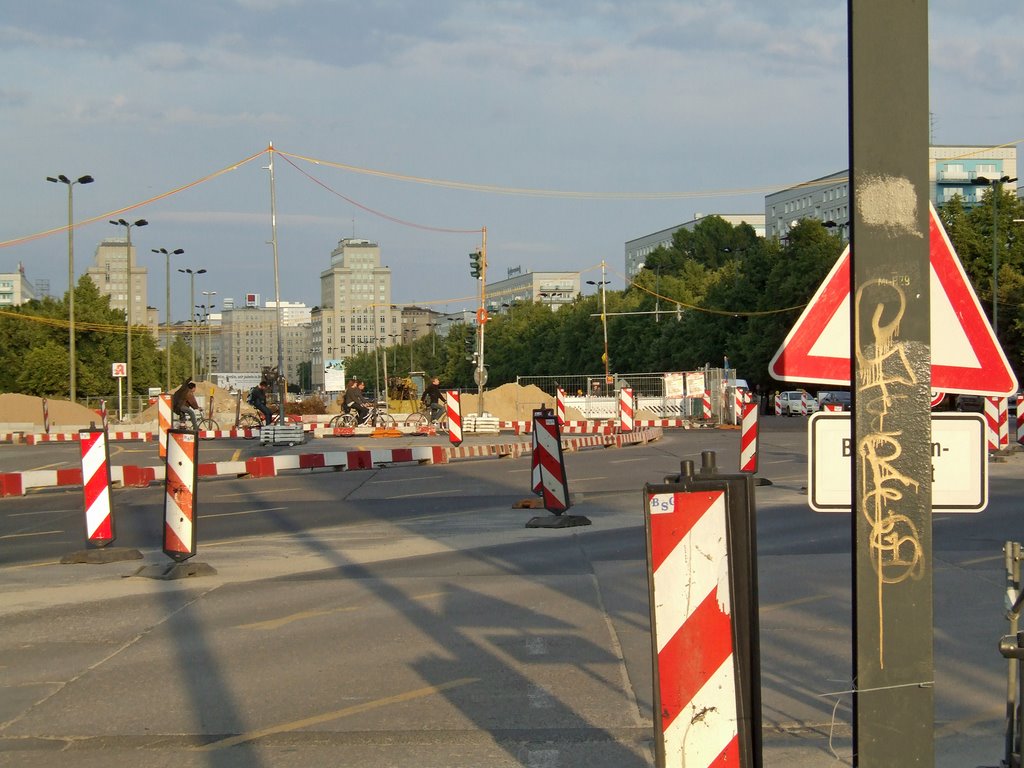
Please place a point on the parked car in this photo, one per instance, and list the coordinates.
(974, 403)
(836, 398)
(793, 402)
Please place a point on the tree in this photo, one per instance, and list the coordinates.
(44, 371)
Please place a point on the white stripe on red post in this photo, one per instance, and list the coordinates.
(748, 437)
(697, 721)
(180, 495)
(454, 406)
(99, 512)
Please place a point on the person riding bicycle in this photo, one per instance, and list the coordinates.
(432, 399)
(258, 400)
(183, 403)
(354, 400)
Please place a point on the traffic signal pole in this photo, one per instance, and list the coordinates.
(481, 320)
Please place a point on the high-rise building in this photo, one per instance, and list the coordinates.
(110, 274)
(355, 312)
(248, 341)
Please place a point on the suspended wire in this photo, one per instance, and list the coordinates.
(382, 215)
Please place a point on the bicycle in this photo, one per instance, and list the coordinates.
(252, 423)
(205, 424)
(421, 418)
(377, 417)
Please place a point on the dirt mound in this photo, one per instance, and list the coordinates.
(28, 409)
(512, 402)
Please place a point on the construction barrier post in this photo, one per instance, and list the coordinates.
(98, 504)
(163, 420)
(46, 416)
(702, 573)
(99, 509)
(103, 413)
(748, 437)
(179, 541)
(626, 409)
(454, 406)
(560, 406)
(707, 404)
(549, 466)
(778, 404)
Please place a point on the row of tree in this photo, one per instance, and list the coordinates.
(717, 292)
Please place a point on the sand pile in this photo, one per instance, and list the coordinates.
(28, 409)
(512, 402)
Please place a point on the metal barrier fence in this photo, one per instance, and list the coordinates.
(667, 395)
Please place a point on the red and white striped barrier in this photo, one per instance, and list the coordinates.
(46, 416)
(103, 413)
(180, 497)
(778, 404)
(454, 406)
(560, 406)
(706, 402)
(696, 715)
(803, 403)
(626, 409)
(99, 512)
(997, 423)
(748, 437)
(163, 421)
(548, 458)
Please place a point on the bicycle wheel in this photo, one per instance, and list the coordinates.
(384, 421)
(208, 425)
(251, 423)
(416, 420)
(343, 420)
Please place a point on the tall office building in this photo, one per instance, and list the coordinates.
(110, 274)
(355, 313)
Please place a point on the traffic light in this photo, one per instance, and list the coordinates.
(476, 265)
(470, 347)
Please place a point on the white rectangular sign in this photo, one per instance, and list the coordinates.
(959, 463)
(118, 370)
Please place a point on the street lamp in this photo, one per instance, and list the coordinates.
(62, 179)
(997, 190)
(209, 347)
(167, 307)
(130, 297)
(604, 322)
(192, 304)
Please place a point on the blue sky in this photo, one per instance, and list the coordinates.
(721, 102)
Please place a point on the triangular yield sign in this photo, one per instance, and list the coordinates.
(966, 357)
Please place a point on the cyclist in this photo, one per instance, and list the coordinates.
(354, 399)
(183, 403)
(258, 400)
(432, 399)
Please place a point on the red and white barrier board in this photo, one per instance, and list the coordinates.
(778, 404)
(626, 414)
(548, 456)
(748, 437)
(454, 406)
(706, 401)
(560, 406)
(99, 510)
(180, 495)
(695, 708)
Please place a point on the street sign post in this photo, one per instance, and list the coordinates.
(959, 462)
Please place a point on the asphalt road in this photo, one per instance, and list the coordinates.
(407, 617)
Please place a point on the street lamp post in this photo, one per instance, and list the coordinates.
(604, 322)
(130, 300)
(997, 190)
(167, 308)
(192, 305)
(62, 179)
(209, 338)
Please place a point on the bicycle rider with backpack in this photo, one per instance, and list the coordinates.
(258, 400)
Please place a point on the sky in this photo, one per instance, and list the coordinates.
(432, 120)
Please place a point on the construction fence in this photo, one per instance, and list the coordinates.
(667, 395)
